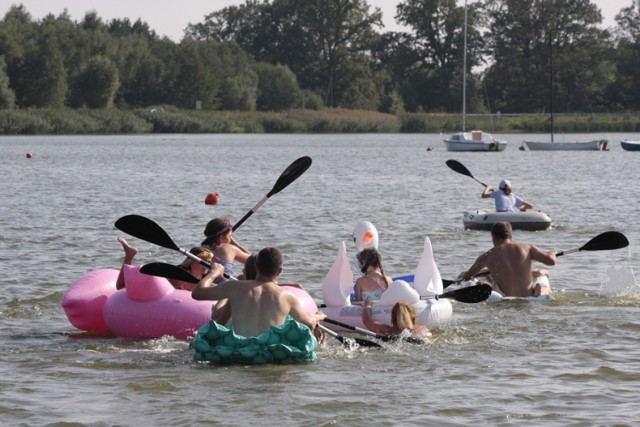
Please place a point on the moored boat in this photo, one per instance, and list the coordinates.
(485, 219)
(474, 141)
(629, 145)
(594, 145)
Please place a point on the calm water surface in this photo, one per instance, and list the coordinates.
(575, 361)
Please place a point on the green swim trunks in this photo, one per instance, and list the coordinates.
(291, 342)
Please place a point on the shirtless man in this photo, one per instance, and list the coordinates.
(509, 264)
(257, 304)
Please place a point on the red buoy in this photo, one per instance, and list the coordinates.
(29, 155)
(211, 199)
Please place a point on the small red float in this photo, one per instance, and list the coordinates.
(211, 199)
(29, 155)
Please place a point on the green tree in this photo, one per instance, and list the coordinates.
(624, 89)
(322, 42)
(433, 55)
(277, 87)
(99, 82)
(194, 81)
(7, 97)
(44, 76)
(524, 36)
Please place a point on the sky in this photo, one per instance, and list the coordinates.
(170, 17)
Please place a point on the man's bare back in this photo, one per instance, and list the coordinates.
(509, 263)
(256, 305)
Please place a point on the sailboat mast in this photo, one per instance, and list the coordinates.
(464, 72)
(551, 82)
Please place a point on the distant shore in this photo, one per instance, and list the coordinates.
(166, 119)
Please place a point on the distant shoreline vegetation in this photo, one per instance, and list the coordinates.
(169, 119)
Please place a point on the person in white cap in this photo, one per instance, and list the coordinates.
(506, 200)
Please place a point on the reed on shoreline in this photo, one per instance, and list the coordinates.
(167, 119)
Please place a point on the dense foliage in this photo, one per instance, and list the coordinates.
(523, 56)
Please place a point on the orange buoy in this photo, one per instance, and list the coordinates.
(211, 199)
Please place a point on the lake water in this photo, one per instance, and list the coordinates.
(575, 361)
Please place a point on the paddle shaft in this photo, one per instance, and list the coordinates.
(290, 174)
(371, 333)
(348, 341)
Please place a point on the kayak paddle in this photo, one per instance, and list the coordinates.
(469, 295)
(349, 342)
(461, 169)
(289, 175)
(386, 338)
(168, 271)
(602, 242)
(148, 230)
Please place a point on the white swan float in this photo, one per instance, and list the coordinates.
(338, 284)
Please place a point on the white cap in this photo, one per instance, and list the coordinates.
(504, 184)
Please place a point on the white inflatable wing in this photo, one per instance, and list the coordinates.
(399, 290)
(338, 283)
(427, 280)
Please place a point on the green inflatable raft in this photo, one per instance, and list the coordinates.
(291, 342)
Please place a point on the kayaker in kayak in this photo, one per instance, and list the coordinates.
(509, 264)
(505, 199)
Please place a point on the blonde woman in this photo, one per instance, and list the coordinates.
(403, 318)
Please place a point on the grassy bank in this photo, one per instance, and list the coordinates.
(172, 120)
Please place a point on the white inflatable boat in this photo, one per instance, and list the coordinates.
(484, 220)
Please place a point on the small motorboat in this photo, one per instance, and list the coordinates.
(485, 219)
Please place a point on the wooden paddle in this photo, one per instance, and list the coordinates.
(602, 242)
(350, 343)
(385, 338)
(289, 175)
(148, 230)
(461, 169)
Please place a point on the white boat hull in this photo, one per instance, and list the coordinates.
(596, 145)
(474, 141)
(485, 219)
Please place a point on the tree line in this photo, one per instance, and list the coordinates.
(523, 56)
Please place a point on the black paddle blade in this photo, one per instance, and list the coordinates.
(290, 174)
(145, 229)
(470, 294)
(458, 167)
(606, 241)
(168, 271)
